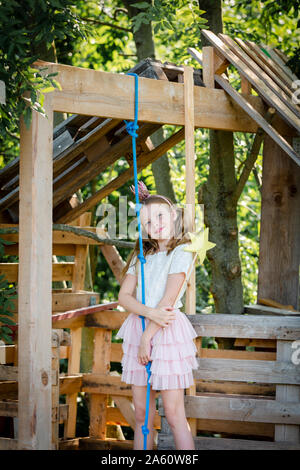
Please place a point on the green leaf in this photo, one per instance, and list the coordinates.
(7, 321)
(141, 5)
(28, 117)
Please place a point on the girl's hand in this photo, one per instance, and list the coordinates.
(144, 351)
(163, 316)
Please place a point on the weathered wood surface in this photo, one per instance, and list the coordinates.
(268, 95)
(279, 248)
(109, 319)
(246, 326)
(245, 54)
(287, 394)
(265, 310)
(241, 101)
(258, 410)
(34, 282)
(96, 93)
(166, 442)
(274, 372)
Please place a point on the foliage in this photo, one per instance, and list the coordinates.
(276, 24)
(6, 294)
(31, 27)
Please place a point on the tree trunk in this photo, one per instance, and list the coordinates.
(144, 43)
(220, 213)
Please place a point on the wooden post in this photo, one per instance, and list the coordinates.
(279, 257)
(81, 252)
(101, 365)
(190, 305)
(55, 390)
(35, 281)
(190, 171)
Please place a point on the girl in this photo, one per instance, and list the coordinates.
(168, 337)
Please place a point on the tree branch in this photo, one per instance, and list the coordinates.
(80, 232)
(251, 158)
(104, 23)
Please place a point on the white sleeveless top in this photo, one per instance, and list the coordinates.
(156, 270)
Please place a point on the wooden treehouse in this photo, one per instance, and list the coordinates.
(242, 398)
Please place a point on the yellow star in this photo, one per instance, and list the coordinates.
(200, 244)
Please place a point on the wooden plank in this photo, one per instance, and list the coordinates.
(256, 343)
(190, 174)
(77, 179)
(262, 76)
(246, 326)
(270, 64)
(70, 301)
(265, 92)
(273, 372)
(265, 310)
(8, 444)
(236, 428)
(143, 161)
(263, 71)
(270, 130)
(166, 442)
(92, 92)
(101, 364)
(208, 66)
(287, 394)
(73, 367)
(228, 387)
(242, 355)
(109, 319)
(34, 281)
(189, 127)
(240, 409)
(278, 276)
(76, 334)
(277, 59)
(92, 443)
(65, 159)
(108, 385)
(9, 408)
(62, 271)
(55, 396)
(116, 353)
(62, 142)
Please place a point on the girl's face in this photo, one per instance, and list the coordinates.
(158, 220)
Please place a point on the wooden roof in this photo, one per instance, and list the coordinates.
(85, 146)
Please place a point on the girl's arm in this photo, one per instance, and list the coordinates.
(173, 286)
(128, 301)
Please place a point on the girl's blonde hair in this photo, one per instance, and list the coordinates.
(150, 246)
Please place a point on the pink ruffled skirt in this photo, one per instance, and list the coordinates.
(172, 353)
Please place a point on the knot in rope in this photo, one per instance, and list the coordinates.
(141, 258)
(145, 430)
(132, 127)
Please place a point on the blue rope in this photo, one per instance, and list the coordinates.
(132, 127)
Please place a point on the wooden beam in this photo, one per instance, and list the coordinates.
(35, 282)
(142, 162)
(246, 326)
(268, 94)
(190, 196)
(241, 101)
(92, 92)
(166, 442)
